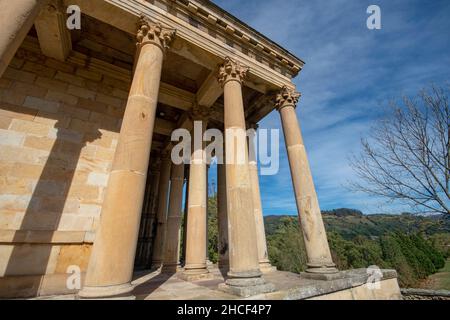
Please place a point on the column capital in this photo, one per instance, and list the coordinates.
(252, 125)
(150, 32)
(232, 70)
(286, 97)
(199, 113)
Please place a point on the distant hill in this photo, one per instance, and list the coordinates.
(350, 223)
(416, 246)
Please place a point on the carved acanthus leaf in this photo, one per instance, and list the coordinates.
(232, 70)
(152, 32)
(287, 97)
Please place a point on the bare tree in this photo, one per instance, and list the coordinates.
(406, 156)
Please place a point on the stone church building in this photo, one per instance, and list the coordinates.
(87, 183)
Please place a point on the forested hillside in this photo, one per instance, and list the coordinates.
(415, 246)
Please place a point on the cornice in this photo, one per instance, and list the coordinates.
(198, 35)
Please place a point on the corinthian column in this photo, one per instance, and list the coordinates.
(263, 255)
(161, 214)
(16, 19)
(110, 267)
(310, 217)
(244, 274)
(195, 267)
(172, 243)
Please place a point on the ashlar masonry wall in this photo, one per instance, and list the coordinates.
(59, 124)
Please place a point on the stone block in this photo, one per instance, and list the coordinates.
(41, 143)
(83, 126)
(5, 83)
(23, 170)
(39, 69)
(70, 255)
(90, 210)
(104, 154)
(75, 222)
(84, 192)
(119, 93)
(38, 221)
(59, 65)
(41, 104)
(116, 102)
(5, 122)
(18, 75)
(75, 112)
(70, 78)
(56, 120)
(11, 97)
(89, 74)
(26, 259)
(15, 186)
(41, 236)
(9, 221)
(23, 155)
(19, 286)
(51, 84)
(104, 141)
(61, 97)
(89, 236)
(92, 105)
(11, 138)
(65, 134)
(28, 89)
(98, 179)
(117, 83)
(88, 152)
(16, 63)
(29, 127)
(247, 291)
(81, 92)
(17, 112)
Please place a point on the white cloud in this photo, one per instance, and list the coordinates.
(350, 73)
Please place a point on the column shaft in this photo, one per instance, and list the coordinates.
(244, 273)
(310, 217)
(222, 217)
(161, 214)
(196, 223)
(152, 210)
(172, 243)
(16, 18)
(263, 255)
(110, 266)
(242, 231)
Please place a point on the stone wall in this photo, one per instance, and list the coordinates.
(425, 294)
(59, 124)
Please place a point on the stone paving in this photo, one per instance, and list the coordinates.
(153, 285)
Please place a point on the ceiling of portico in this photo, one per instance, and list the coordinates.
(182, 78)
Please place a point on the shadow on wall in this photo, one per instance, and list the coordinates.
(43, 214)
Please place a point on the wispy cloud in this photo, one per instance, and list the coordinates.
(350, 73)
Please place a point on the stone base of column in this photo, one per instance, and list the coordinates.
(327, 272)
(224, 266)
(246, 287)
(195, 277)
(266, 267)
(156, 264)
(117, 292)
(171, 268)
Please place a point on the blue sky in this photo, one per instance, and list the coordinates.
(350, 73)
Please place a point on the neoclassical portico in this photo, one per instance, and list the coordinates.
(185, 61)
